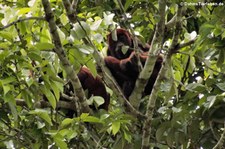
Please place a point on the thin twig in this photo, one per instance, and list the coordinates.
(21, 20)
(46, 104)
(219, 144)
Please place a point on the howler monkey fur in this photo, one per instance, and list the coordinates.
(126, 72)
(121, 48)
(123, 45)
(94, 86)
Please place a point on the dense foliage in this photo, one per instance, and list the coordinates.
(189, 111)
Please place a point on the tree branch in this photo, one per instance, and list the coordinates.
(180, 46)
(78, 90)
(21, 20)
(154, 50)
(70, 12)
(219, 144)
(46, 104)
(152, 99)
(172, 22)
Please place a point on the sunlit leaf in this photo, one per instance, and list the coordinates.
(60, 142)
(66, 122)
(221, 86)
(44, 46)
(51, 98)
(6, 35)
(42, 114)
(24, 10)
(81, 30)
(221, 58)
(115, 127)
(98, 100)
(64, 19)
(96, 25)
(56, 88)
(128, 136)
(211, 100)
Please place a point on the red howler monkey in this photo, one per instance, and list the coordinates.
(123, 45)
(124, 66)
(94, 85)
(123, 40)
(126, 72)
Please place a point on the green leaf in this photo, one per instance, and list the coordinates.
(115, 127)
(4, 45)
(44, 46)
(11, 101)
(62, 36)
(23, 28)
(211, 100)
(127, 136)
(70, 134)
(125, 49)
(205, 29)
(26, 96)
(161, 130)
(221, 86)
(35, 56)
(45, 34)
(66, 122)
(217, 31)
(196, 87)
(6, 35)
(59, 141)
(86, 49)
(51, 98)
(42, 114)
(128, 4)
(221, 58)
(6, 89)
(64, 19)
(5, 83)
(92, 67)
(191, 65)
(223, 35)
(24, 10)
(92, 119)
(98, 100)
(81, 30)
(56, 89)
(96, 25)
(170, 137)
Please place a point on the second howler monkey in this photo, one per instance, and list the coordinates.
(94, 86)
